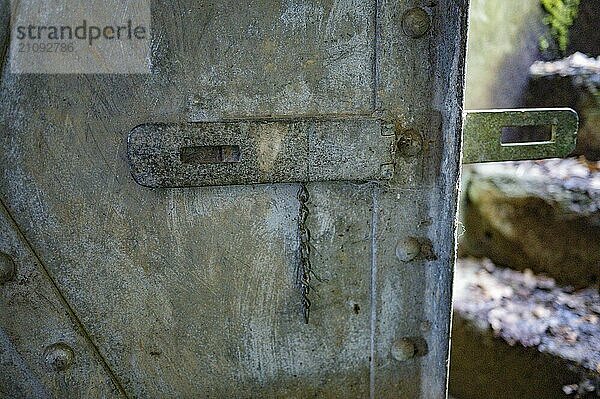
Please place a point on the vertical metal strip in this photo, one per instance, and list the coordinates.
(376, 50)
(375, 203)
(374, 222)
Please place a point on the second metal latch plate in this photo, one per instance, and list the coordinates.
(483, 134)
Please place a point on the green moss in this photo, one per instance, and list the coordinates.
(559, 18)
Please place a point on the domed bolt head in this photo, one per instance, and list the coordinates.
(59, 356)
(408, 249)
(409, 143)
(403, 350)
(416, 22)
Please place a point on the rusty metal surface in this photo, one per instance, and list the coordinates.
(192, 292)
(270, 151)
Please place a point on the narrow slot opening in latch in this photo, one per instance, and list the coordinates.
(207, 154)
(527, 135)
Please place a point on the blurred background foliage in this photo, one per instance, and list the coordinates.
(560, 17)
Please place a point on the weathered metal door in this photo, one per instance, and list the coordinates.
(139, 259)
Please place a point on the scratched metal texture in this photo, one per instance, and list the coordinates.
(192, 292)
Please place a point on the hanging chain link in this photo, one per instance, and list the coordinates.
(304, 267)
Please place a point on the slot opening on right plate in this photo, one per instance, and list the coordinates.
(527, 135)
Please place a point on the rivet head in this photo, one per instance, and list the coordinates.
(59, 356)
(409, 143)
(7, 268)
(403, 350)
(408, 249)
(416, 22)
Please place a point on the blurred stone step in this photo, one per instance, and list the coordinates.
(542, 215)
(571, 82)
(518, 335)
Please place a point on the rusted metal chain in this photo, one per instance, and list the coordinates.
(304, 266)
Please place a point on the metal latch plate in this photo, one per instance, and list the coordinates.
(483, 131)
(261, 151)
